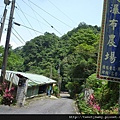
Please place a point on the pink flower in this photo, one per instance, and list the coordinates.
(12, 88)
(92, 97)
(90, 102)
(11, 97)
(5, 95)
(98, 107)
(94, 106)
(6, 90)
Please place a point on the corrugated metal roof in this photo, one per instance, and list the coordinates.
(33, 79)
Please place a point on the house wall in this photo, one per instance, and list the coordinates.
(32, 91)
(36, 90)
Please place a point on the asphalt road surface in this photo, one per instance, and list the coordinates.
(43, 105)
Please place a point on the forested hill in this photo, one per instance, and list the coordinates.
(75, 52)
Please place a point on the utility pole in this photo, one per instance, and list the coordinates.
(7, 2)
(3, 22)
(4, 64)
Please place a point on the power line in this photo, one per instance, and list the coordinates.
(26, 17)
(14, 41)
(27, 27)
(45, 20)
(49, 14)
(49, 24)
(62, 12)
(23, 22)
(33, 13)
(57, 31)
(33, 18)
(19, 35)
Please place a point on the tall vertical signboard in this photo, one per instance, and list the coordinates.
(108, 66)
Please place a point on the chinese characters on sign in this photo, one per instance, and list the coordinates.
(109, 53)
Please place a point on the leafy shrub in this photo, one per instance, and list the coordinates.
(74, 88)
(56, 91)
(0, 99)
(105, 97)
(7, 95)
(106, 93)
(70, 87)
(84, 107)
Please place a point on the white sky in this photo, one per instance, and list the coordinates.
(63, 15)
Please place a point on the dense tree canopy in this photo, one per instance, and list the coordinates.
(14, 61)
(75, 52)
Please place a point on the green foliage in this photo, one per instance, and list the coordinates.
(1, 55)
(15, 61)
(0, 99)
(85, 108)
(56, 91)
(70, 87)
(74, 51)
(74, 88)
(40, 53)
(106, 92)
(106, 95)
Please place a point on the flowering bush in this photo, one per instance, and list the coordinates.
(92, 107)
(92, 103)
(7, 94)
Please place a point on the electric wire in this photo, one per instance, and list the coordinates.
(43, 19)
(19, 35)
(49, 14)
(27, 27)
(62, 12)
(33, 18)
(23, 22)
(17, 38)
(14, 41)
(33, 13)
(25, 17)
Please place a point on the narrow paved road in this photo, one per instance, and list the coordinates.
(44, 105)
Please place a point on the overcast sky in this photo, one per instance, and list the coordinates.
(54, 16)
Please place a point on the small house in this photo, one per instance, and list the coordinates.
(37, 84)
